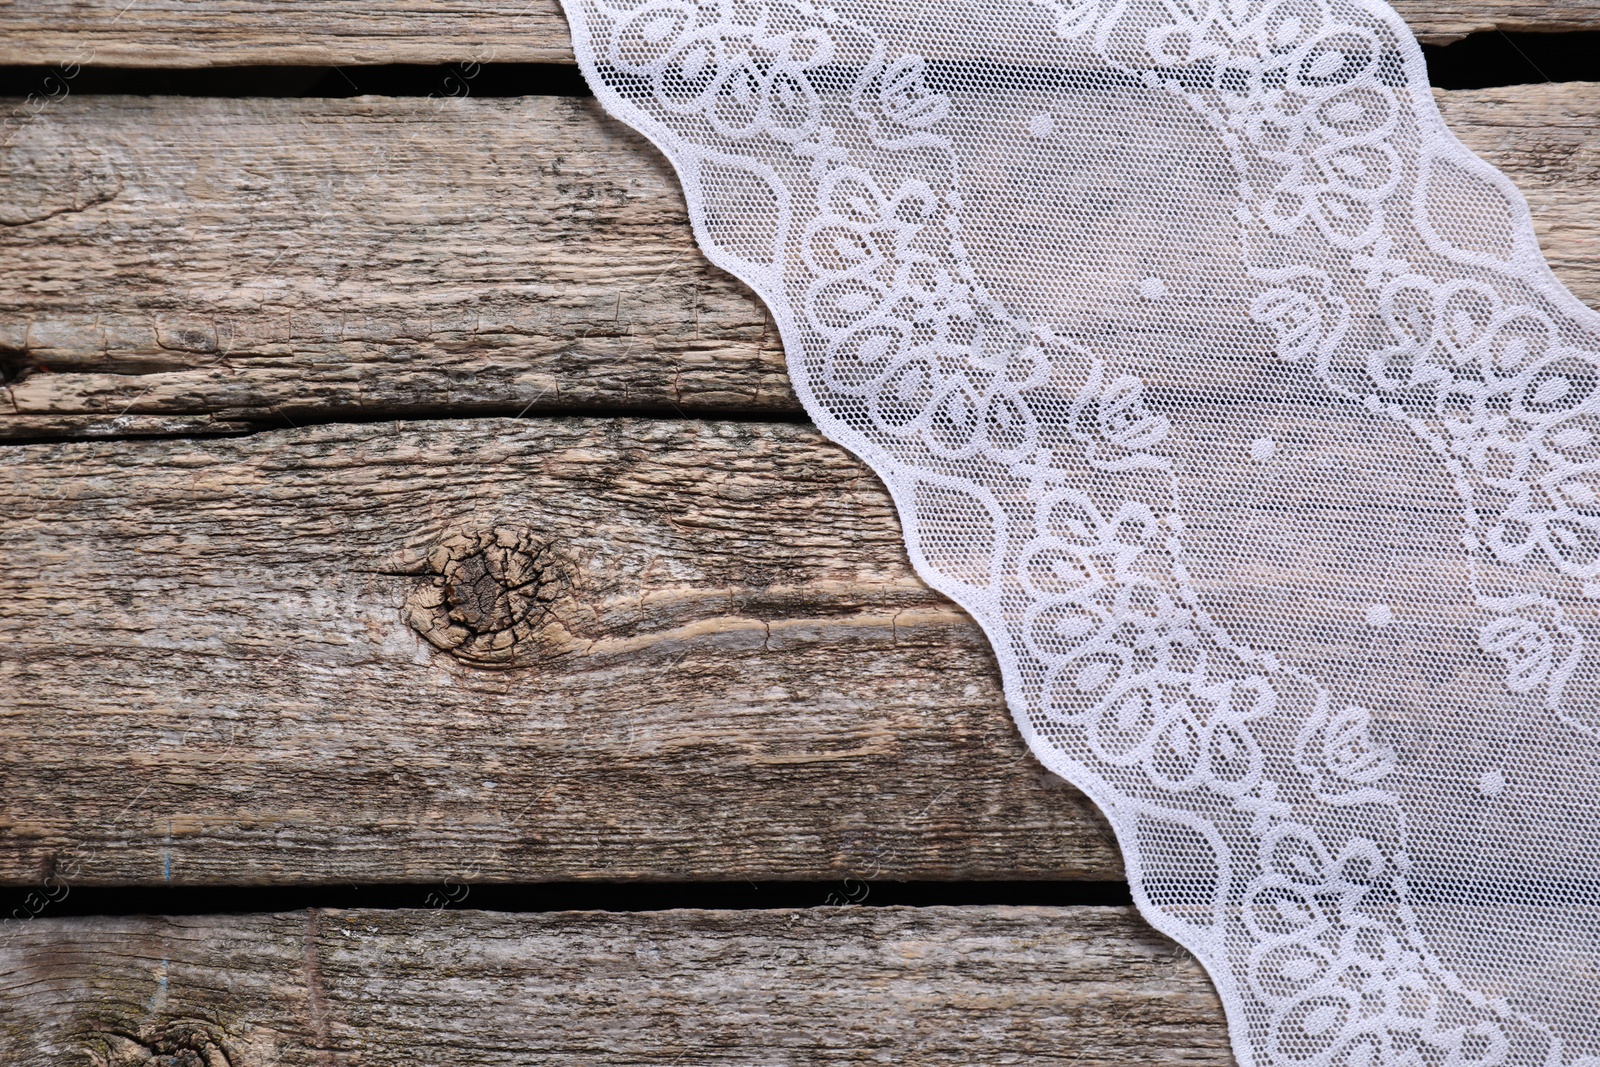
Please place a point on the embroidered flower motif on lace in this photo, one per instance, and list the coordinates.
(1234, 399)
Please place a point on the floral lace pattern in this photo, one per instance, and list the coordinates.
(1234, 399)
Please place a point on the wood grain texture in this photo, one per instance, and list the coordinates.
(285, 261)
(211, 674)
(845, 986)
(185, 33)
(1543, 138)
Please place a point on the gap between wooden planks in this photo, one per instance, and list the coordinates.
(171, 33)
(1084, 986)
(192, 265)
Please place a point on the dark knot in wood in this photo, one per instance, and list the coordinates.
(489, 594)
(177, 1044)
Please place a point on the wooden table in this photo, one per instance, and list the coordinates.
(287, 379)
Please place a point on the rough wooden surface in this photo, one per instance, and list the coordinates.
(183, 33)
(286, 259)
(214, 670)
(1543, 137)
(182, 264)
(928, 986)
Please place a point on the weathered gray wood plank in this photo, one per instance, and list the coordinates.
(1543, 137)
(284, 259)
(928, 986)
(292, 657)
(293, 260)
(211, 670)
(174, 33)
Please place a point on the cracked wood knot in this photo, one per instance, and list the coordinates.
(489, 594)
(176, 1044)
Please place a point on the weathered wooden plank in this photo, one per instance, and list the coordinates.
(292, 657)
(176, 33)
(283, 259)
(1543, 137)
(837, 985)
(50, 427)
(293, 260)
(1443, 21)
(211, 670)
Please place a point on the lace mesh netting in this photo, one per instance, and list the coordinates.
(1233, 397)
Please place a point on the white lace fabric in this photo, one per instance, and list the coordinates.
(1234, 399)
